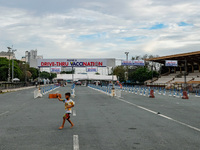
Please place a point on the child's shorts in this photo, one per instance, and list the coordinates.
(67, 115)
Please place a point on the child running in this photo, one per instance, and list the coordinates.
(68, 109)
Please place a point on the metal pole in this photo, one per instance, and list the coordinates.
(185, 75)
(39, 78)
(13, 64)
(72, 75)
(9, 50)
(127, 66)
(12, 69)
(25, 74)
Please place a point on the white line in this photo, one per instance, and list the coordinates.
(74, 113)
(75, 142)
(166, 117)
(4, 113)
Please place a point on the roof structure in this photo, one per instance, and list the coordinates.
(192, 57)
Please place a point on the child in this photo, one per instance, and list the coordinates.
(68, 109)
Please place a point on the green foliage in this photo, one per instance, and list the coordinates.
(52, 75)
(142, 74)
(97, 73)
(34, 73)
(119, 72)
(47, 75)
(4, 65)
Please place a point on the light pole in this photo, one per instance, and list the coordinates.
(126, 73)
(9, 51)
(185, 82)
(13, 64)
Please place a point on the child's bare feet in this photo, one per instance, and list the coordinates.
(72, 125)
(60, 128)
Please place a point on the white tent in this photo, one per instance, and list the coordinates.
(16, 79)
(86, 77)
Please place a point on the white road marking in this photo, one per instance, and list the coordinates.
(166, 117)
(75, 142)
(74, 113)
(4, 113)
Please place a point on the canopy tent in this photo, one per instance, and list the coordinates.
(77, 77)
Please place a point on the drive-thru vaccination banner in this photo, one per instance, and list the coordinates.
(75, 62)
(171, 63)
(133, 63)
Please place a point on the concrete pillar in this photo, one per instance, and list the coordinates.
(199, 66)
(192, 68)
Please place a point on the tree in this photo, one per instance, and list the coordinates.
(119, 72)
(97, 73)
(142, 74)
(45, 75)
(4, 64)
(34, 73)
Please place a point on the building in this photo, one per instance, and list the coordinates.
(31, 58)
(8, 55)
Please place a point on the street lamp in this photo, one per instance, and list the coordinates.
(126, 73)
(13, 64)
(25, 72)
(9, 51)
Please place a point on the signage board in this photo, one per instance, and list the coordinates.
(171, 63)
(127, 63)
(55, 69)
(133, 63)
(138, 62)
(91, 69)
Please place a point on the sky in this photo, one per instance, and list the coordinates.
(100, 28)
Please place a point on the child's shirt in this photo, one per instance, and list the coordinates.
(68, 103)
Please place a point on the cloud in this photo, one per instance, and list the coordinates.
(100, 28)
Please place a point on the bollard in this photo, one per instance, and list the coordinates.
(185, 96)
(151, 94)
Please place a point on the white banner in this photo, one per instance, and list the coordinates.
(133, 63)
(171, 63)
(55, 69)
(91, 69)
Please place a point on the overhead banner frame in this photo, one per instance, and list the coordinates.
(76, 62)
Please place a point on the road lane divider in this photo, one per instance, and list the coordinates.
(4, 113)
(161, 115)
(75, 142)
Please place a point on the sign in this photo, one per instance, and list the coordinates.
(171, 63)
(127, 63)
(56, 69)
(91, 69)
(75, 62)
(138, 62)
(133, 63)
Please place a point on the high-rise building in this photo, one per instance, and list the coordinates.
(31, 58)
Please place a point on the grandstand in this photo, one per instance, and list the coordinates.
(175, 75)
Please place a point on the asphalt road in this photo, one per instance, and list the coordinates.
(101, 122)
